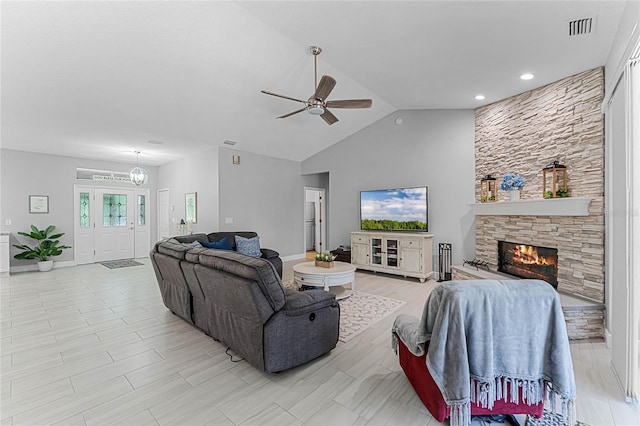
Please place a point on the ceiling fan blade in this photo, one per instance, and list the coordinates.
(328, 117)
(282, 96)
(291, 113)
(326, 85)
(350, 103)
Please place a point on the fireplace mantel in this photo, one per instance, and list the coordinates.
(570, 206)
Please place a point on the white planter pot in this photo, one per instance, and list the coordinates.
(45, 266)
(514, 195)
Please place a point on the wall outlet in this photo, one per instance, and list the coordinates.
(7, 222)
(228, 220)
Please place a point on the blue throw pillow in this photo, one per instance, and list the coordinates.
(248, 246)
(222, 244)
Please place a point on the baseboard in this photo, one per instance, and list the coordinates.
(34, 266)
(294, 257)
(607, 337)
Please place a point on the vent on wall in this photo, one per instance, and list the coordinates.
(581, 26)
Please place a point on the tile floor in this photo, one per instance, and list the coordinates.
(88, 345)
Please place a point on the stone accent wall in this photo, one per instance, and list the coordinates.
(584, 324)
(459, 275)
(522, 134)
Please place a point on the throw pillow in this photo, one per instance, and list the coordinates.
(222, 244)
(194, 244)
(248, 246)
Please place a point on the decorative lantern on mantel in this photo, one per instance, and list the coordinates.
(488, 189)
(554, 181)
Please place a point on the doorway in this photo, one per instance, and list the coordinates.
(315, 232)
(110, 224)
(164, 214)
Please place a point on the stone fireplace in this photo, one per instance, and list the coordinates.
(522, 134)
(528, 261)
(560, 121)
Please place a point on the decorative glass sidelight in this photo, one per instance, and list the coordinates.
(85, 210)
(142, 211)
(114, 210)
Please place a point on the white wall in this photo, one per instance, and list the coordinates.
(197, 173)
(25, 173)
(431, 147)
(265, 195)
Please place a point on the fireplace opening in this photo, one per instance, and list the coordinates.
(527, 261)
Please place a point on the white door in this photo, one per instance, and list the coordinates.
(114, 225)
(164, 224)
(316, 196)
(310, 225)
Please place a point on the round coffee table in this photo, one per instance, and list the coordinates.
(341, 274)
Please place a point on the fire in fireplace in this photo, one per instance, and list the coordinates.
(526, 261)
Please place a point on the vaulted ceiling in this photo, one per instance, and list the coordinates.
(170, 78)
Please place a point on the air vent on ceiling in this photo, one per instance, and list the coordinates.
(229, 142)
(581, 26)
(152, 142)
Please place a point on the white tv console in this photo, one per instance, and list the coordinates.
(401, 253)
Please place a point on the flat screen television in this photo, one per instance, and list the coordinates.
(401, 209)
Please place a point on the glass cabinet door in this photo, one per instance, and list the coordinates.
(376, 251)
(392, 253)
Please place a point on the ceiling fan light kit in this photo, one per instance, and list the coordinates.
(317, 103)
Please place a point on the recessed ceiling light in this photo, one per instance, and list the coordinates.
(526, 76)
(480, 97)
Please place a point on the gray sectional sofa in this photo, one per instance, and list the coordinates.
(240, 301)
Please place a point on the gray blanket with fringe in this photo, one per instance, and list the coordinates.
(485, 334)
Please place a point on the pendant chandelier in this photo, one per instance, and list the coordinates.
(138, 175)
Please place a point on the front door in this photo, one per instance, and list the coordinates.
(114, 225)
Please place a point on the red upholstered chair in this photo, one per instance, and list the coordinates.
(486, 347)
(415, 368)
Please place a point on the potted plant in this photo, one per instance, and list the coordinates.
(47, 247)
(324, 260)
(512, 183)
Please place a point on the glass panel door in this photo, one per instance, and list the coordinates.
(114, 231)
(392, 253)
(376, 251)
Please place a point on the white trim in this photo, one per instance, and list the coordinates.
(570, 206)
(633, 248)
(631, 51)
(321, 219)
(607, 338)
(34, 267)
(294, 257)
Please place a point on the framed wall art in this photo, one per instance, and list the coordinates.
(191, 207)
(38, 204)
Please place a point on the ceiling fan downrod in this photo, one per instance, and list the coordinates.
(315, 51)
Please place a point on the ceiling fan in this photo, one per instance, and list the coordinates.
(317, 104)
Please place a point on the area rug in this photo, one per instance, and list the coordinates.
(361, 310)
(115, 264)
